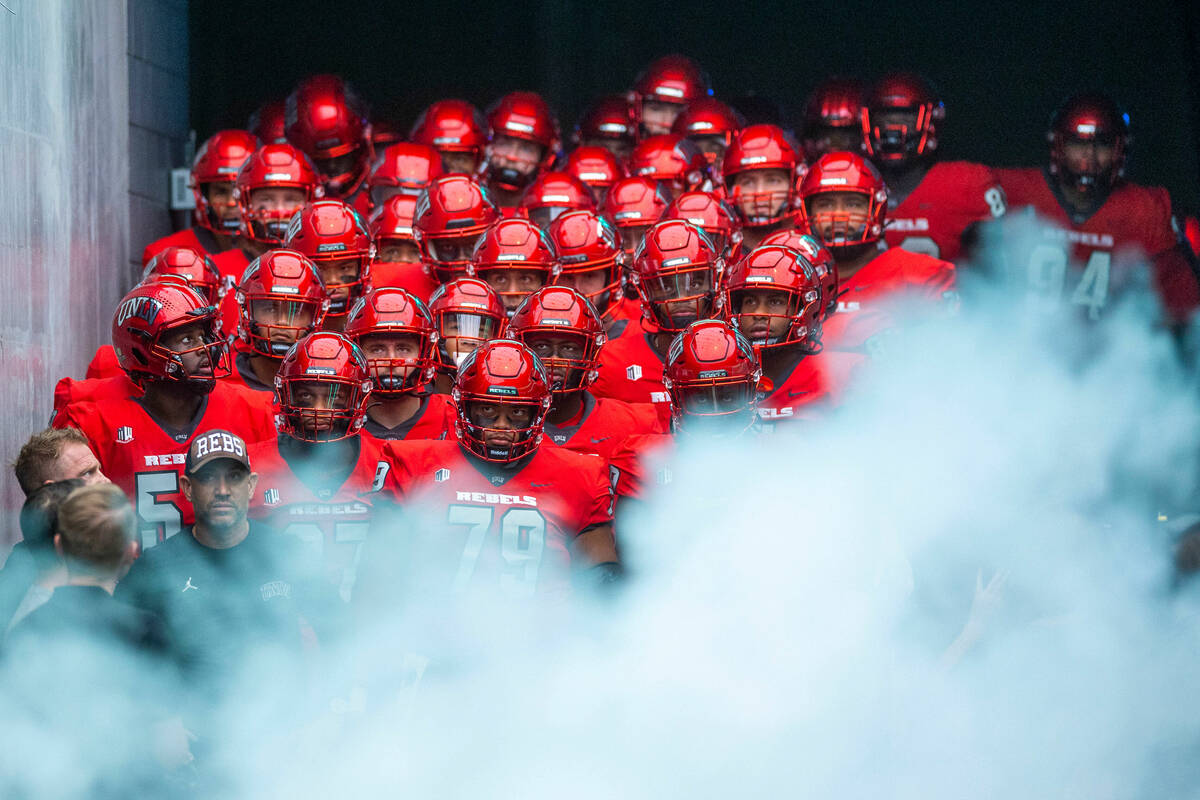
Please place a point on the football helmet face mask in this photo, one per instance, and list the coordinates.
(332, 235)
(457, 130)
(217, 162)
(608, 123)
(466, 313)
(839, 226)
(663, 90)
(194, 267)
(451, 216)
(563, 329)
(273, 166)
(761, 169)
(900, 116)
(677, 272)
(589, 252)
(712, 377)
(519, 117)
(711, 125)
(281, 299)
(674, 162)
(402, 168)
(819, 257)
(773, 296)
(327, 120)
(501, 396)
(632, 205)
(552, 193)
(164, 330)
(1089, 141)
(322, 389)
(712, 215)
(515, 258)
(395, 332)
(833, 118)
(597, 168)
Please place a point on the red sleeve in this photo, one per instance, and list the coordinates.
(597, 482)
(1176, 283)
(628, 469)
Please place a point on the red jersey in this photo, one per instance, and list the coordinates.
(632, 370)
(69, 390)
(407, 276)
(330, 511)
(434, 420)
(602, 425)
(809, 388)
(953, 196)
(197, 238)
(513, 537)
(640, 463)
(1105, 251)
(104, 364)
(871, 297)
(145, 459)
(624, 311)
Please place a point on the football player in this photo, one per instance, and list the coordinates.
(397, 257)
(561, 327)
(331, 235)
(168, 341)
(523, 141)
(934, 207)
(268, 122)
(451, 216)
(1102, 228)
(457, 130)
(596, 168)
(403, 168)
(711, 125)
(714, 216)
(215, 217)
(327, 120)
(395, 332)
(608, 123)
(833, 118)
(317, 477)
(844, 204)
(466, 313)
(663, 90)
(762, 169)
(589, 252)
(674, 163)
(515, 258)
(552, 193)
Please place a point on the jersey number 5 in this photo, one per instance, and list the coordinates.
(158, 520)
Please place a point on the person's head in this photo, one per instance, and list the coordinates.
(773, 295)
(322, 389)
(501, 396)
(711, 125)
(395, 332)
(217, 479)
(711, 214)
(164, 330)
(553, 193)
(194, 266)
(450, 218)
(607, 123)
(596, 168)
(761, 168)
(457, 130)
(523, 140)
(833, 118)
(466, 313)
(663, 90)
(39, 518)
(95, 532)
(712, 376)
(589, 250)
(272, 184)
(1089, 141)
(53, 455)
(515, 258)
(391, 229)
(403, 168)
(676, 164)
(844, 203)
(563, 329)
(676, 271)
(899, 120)
(331, 235)
(819, 257)
(326, 119)
(281, 299)
(213, 172)
(632, 205)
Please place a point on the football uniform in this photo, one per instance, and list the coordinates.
(953, 196)
(230, 264)
(104, 364)
(640, 464)
(632, 370)
(70, 390)
(330, 513)
(199, 239)
(1090, 260)
(472, 534)
(809, 388)
(410, 277)
(602, 425)
(868, 300)
(434, 420)
(143, 458)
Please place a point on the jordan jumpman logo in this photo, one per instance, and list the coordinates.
(190, 585)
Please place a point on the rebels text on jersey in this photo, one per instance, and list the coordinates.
(145, 460)
(1104, 250)
(602, 425)
(951, 198)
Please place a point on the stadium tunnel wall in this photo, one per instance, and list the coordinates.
(93, 114)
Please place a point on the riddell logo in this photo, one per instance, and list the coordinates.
(144, 308)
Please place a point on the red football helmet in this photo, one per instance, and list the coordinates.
(664, 88)
(193, 266)
(899, 119)
(844, 173)
(525, 116)
(457, 130)
(218, 161)
(281, 299)
(403, 168)
(673, 162)
(607, 123)
(322, 389)
(392, 222)
(516, 258)
(596, 167)
(552, 193)
(273, 166)
(269, 122)
(711, 125)
(384, 134)
(589, 251)
(501, 372)
(451, 216)
(147, 334)
(833, 117)
(564, 314)
(327, 121)
(1089, 118)
(389, 312)
(329, 233)
(773, 295)
(712, 376)
(677, 273)
(753, 150)
(816, 254)
(466, 313)
(712, 215)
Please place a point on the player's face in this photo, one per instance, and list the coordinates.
(220, 493)
(502, 422)
(76, 460)
(761, 192)
(713, 147)
(399, 252)
(620, 148)
(763, 314)
(830, 139)
(838, 215)
(338, 276)
(283, 321)
(508, 152)
(658, 117)
(391, 358)
(340, 169)
(682, 296)
(1088, 156)
(587, 282)
(315, 401)
(220, 198)
(513, 285)
(455, 161)
(273, 206)
(462, 332)
(562, 354)
(188, 342)
(895, 127)
(631, 237)
(453, 248)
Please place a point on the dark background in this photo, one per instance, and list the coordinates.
(1001, 67)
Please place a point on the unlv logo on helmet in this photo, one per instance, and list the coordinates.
(144, 308)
